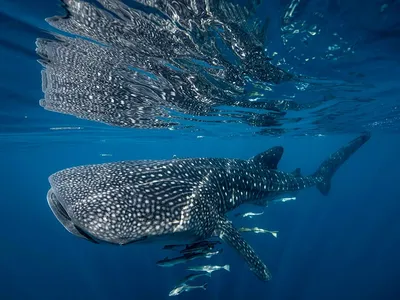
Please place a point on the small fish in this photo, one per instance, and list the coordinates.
(200, 249)
(249, 215)
(186, 288)
(191, 277)
(284, 199)
(195, 247)
(173, 247)
(211, 254)
(169, 262)
(258, 230)
(203, 243)
(209, 268)
(200, 246)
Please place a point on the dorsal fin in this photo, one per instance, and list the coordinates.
(297, 172)
(269, 158)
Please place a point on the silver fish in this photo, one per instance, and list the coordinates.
(249, 215)
(258, 230)
(186, 288)
(192, 277)
(169, 262)
(209, 268)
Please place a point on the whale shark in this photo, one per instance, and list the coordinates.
(180, 199)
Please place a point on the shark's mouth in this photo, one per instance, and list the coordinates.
(63, 217)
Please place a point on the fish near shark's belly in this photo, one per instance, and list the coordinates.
(185, 237)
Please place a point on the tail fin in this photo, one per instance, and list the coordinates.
(328, 168)
(204, 286)
(227, 267)
(274, 233)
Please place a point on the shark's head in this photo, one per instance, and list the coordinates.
(120, 203)
(98, 203)
(63, 217)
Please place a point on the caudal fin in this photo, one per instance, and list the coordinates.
(274, 233)
(328, 168)
(227, 267)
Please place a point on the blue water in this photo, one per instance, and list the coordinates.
(341, 246)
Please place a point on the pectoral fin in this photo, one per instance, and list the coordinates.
(232, 237)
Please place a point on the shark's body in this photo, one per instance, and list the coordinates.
(184, 199)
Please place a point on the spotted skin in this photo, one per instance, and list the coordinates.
(183, 199)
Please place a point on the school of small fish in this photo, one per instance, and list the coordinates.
(205, 249)
(201, 249)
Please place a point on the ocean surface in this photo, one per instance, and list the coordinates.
(104, 81)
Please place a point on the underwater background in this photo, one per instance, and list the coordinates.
(341, 246)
